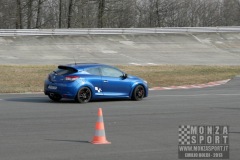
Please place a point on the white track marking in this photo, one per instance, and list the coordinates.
(154, 64)
(136, 64)
(195, 95)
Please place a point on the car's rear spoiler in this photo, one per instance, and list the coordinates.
(67, 68)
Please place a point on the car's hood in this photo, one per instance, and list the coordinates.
(134, 77)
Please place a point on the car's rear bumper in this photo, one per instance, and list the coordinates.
(65, 90)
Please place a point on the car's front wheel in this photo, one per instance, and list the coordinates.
(84, 95)
(138, 93)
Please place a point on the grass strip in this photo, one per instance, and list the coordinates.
(30, 78)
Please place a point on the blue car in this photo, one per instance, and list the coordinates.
(85, 82)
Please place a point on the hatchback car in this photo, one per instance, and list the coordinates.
(85, 82)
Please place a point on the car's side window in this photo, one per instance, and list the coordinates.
(94, 71)
(111, 72)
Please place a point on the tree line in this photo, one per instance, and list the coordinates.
(29, 14)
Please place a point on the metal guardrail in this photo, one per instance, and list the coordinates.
(96, 31)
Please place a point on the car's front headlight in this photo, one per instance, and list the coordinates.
(146, 82)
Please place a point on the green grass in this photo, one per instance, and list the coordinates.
(30, 78)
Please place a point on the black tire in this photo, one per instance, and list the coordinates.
(54, 97)
(138, 93)
(84, 95)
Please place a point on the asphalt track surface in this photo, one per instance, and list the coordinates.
(33, 127)
(132, 49)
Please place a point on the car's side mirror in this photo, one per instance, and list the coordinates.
(124, 76)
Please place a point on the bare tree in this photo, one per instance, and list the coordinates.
(19, 15)
(30, 10)
(60, 14)
(70, 13)
(118, 13)
(38, 13)
(101, 8)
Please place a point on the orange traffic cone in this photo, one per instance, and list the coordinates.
(100, 137)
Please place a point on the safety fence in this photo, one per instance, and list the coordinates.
(114, 31)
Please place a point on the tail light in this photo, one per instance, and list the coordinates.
(71, 78)
(49, 78)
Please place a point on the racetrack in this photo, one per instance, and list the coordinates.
(32, 127)
(128, 49)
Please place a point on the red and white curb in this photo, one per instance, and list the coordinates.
(210, 84)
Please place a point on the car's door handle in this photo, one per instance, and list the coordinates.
(105, 81)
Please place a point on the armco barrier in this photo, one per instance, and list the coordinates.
(92, 31)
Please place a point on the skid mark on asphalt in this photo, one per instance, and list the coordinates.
(129, 57)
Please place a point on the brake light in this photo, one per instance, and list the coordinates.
(71, 78)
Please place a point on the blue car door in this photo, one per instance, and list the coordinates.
(95, 78)
(113, 83)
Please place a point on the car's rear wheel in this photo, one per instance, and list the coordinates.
(84, 95)
(55, 97)
(138, 93)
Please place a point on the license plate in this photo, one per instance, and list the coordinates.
(52, 87)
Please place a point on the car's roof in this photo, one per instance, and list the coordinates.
(83, 65)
